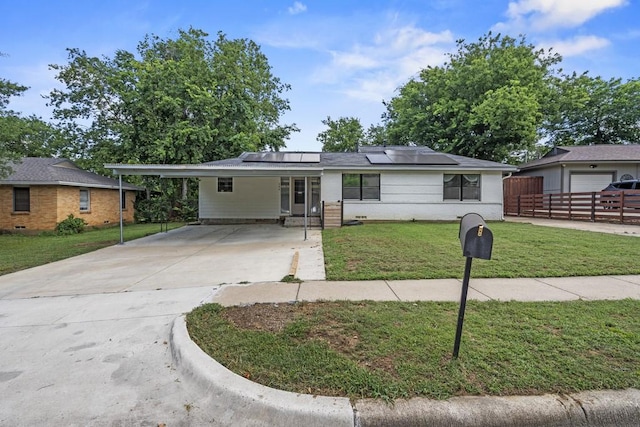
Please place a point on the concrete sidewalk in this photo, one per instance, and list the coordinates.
(538, 289)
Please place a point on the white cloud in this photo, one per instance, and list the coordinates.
(544, 14)
(374, 71)
(297, 8)
(578, 45)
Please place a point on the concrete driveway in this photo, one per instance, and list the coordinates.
(190, 256)
(85, 341)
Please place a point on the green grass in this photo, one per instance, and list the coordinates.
(19, 251)
(395, 350)
(432, 251)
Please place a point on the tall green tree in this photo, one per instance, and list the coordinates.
(376, 135)
(342, 135)
(183, 100)
(591, 110)
(488, 101)
(22, 136)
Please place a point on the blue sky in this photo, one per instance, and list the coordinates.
(342, 58)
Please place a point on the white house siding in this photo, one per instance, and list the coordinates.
(252, 198)
(415, 195)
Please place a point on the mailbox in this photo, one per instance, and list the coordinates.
(475, 237)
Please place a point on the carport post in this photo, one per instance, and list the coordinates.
(120, 202)
(306, 197)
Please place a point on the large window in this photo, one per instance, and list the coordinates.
(285, 202)
(85, 201)
(21, 199)
(461, 187)
(225, 185)
(365, 186)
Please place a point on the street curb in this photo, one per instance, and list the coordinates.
(586, 409)
(243, 402)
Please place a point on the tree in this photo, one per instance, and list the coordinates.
(343, 135)
(595, 111)
(186, 100)
(22, 136)
(487, 102)
(376, 135)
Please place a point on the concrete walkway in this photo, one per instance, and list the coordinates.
(543, 289)
(99, 339)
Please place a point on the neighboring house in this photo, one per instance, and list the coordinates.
(377, 183)
(41, 192)
(584, 168)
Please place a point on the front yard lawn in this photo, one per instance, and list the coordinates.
(397, 251)
(395, 350)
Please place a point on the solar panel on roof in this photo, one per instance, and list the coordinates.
(379, 159)
(407, 157)
(310, 158)
(421, 159)
(282, 157)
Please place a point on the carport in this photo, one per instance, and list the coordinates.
(212, 170)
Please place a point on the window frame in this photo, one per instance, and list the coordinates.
(88, 201)
(17, 202)
(225, 185)
(463, 183)
(361, 188)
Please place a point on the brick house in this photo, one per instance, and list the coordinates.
(41, 192)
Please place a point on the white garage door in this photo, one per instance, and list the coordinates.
(585, 182)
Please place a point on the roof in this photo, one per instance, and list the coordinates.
(628, 153)
(48, 171)
(313, 163)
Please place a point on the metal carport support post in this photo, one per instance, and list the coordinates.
(120, 202)
(306, 198)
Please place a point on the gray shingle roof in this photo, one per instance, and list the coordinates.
(46, 171)
(588, 153)
(360, 160)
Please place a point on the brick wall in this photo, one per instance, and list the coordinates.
(103, 206)
(52, 204)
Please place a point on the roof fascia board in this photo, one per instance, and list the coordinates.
(70, 184)
(186, 171)
(506, 168)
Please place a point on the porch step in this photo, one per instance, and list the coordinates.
(298, 221)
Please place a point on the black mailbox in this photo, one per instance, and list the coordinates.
(475, 237)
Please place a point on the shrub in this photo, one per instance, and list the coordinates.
(71, 225)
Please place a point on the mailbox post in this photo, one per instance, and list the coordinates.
(477, 242)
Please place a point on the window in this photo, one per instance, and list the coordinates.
(85, 204)
(21, 199)
(364, 186)
(225, 185)
(461, 187)
(284, 195)
(124, 200)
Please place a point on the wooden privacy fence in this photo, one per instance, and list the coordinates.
(603, 206)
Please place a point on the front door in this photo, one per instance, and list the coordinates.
(297, 207)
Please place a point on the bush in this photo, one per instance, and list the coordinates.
(71, 225)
